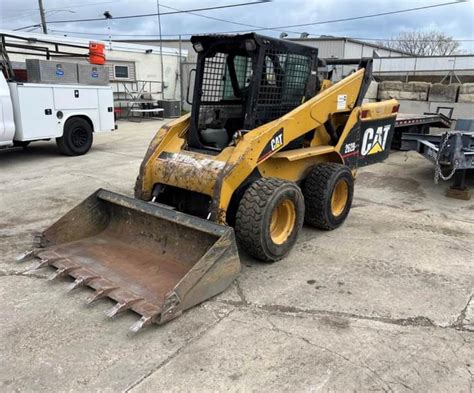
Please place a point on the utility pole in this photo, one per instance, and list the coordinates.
(43, 17)
(161, 52)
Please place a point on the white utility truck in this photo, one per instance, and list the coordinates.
(68, 113)
(53, 99)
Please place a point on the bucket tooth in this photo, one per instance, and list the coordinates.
(79, 282)
(40, 264)
(61, 272)
(120, 307)
(141, 323)
(26, 255)
(99, 294)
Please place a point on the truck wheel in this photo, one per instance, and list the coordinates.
(328, 191)
(77, 137)
(269, 217)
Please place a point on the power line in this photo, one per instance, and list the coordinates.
(279, 28)
(163, 13)
(371, 15)
(52, 9)
(220, 19)
(151, 36)
(344, 19)
(29, 12)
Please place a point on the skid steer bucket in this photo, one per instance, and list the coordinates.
(149, 259)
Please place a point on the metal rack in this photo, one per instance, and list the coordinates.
(13, 44)
(129, 95)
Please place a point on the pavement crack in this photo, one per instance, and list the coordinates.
(241, 293)
(92, 177)
(459, 323)
(417, 321)
(177, 352)
(373, 374)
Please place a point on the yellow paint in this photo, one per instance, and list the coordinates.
(220, 175)
(283, 221)
(339, 198)
(375, 149)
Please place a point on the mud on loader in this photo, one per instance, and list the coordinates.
(266, 147)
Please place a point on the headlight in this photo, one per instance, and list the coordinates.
(250, 45)
(198, 47)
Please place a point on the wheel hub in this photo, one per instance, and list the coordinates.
(79, 137)
(282, 221)
(339, 197)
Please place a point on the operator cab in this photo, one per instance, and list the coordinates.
(244, 81)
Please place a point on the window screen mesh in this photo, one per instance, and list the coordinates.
(282, 86)
(218, 98)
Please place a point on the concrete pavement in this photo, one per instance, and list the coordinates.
(383, 303)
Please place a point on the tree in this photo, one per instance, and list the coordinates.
(423, 43)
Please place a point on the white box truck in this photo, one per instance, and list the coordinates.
(71, 114)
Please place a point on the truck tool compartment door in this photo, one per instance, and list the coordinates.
(34, 113)
(106, 109)
(75, 98)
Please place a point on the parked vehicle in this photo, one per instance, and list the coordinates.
(68, 113)
(52, 99)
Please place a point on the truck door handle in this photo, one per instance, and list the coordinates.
(76, 93)
(48, 111)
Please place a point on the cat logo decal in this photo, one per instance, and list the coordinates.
(374, 141)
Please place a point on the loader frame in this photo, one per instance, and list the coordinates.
(329, 124)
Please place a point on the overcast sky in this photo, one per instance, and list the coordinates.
(456, 20)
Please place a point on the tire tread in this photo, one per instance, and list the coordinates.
(250, 214)
(315, 193)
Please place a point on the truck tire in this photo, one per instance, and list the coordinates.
(77, 137)
(269, 217)
(328, 192)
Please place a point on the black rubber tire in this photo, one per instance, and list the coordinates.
(253, 218)
(317, 190)
(77, 137)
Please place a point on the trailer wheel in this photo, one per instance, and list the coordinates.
(77, 137)
(328, 191)
(269, 217)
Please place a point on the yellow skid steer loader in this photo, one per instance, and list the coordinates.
(269, 144)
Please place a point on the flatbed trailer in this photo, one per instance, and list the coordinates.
(452, 153)
(408, 123)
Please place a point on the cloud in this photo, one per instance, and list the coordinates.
(455, 20)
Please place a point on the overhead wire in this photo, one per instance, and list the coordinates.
(162, 13)
(219, 19)
(279, 28)
(151, 36)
